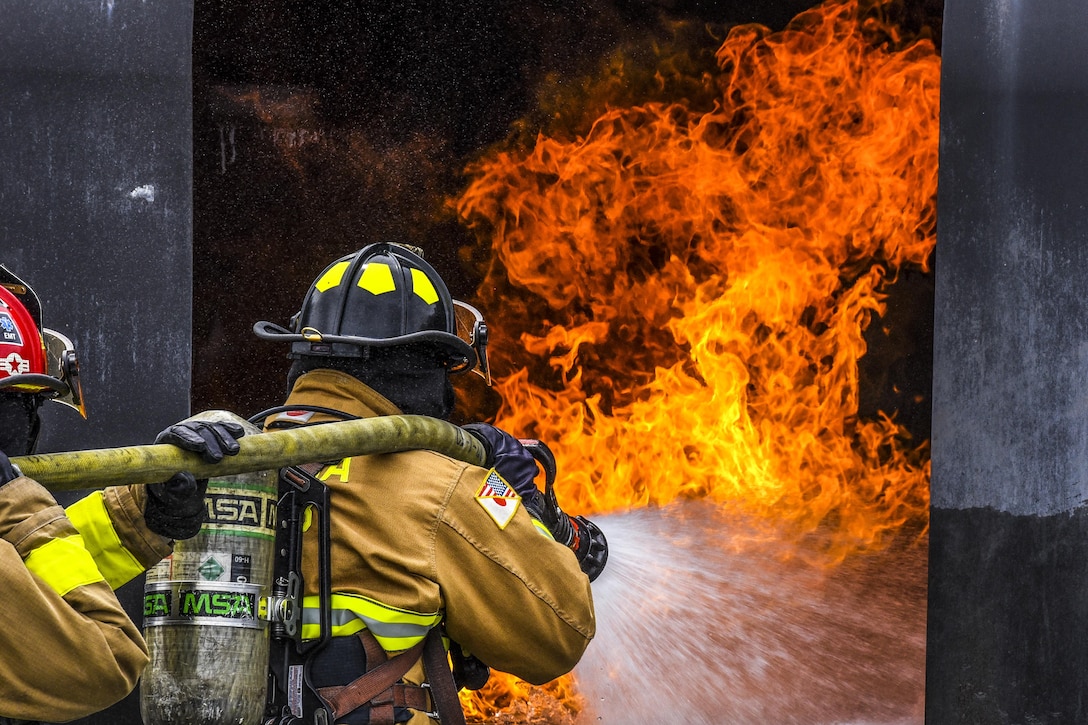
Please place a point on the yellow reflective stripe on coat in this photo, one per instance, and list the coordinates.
(92, 521)
(64, 564)
(541, 528)
(395, 629)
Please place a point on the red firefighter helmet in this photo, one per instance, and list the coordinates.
(33, 359)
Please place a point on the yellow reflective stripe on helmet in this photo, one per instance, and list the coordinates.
(423, 287)
(395, 629)
(332, 277)
(541, 528)
(377, 279)
(64, 564)
(92, 521)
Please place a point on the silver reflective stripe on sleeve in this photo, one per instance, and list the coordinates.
(395, 629)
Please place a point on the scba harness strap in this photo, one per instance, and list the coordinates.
(377, 696)
(380, 692)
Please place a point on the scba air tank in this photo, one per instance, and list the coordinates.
(206, 636)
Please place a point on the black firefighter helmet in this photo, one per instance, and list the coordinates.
(383, 295)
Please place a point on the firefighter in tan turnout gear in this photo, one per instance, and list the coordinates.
(423, 547)
(68, 649)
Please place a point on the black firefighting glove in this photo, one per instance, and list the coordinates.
(509, 457)
(469, 671)
(7, 471)
(175, 508)
(211, 439)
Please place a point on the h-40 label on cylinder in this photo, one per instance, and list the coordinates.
(218, 604)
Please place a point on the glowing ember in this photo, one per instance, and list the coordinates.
(697, 284)
(508, 700)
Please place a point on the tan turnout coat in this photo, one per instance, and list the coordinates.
(67, 647)
(409, 532)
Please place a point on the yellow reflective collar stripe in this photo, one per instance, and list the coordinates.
(542, 529)
(395, 629)
(64, 564)
(92, 521)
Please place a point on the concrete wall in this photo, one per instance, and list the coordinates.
(96, 210)
(1009, 536)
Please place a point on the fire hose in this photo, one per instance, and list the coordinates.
(73, 470)
(206, 607)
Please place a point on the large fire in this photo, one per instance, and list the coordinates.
(697, 282)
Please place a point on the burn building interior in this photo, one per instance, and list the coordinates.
(383, 113)
(281, 135)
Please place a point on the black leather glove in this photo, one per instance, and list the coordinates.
(211, 439)
(469, 671)
(7, 471)
(509, 457)
(175, 508)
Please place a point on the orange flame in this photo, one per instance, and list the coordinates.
(697, 283)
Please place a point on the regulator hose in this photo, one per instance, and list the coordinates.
(99, 468)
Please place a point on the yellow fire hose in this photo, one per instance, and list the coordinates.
(99, 468)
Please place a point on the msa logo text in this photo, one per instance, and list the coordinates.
(226, 508)
(230, 605)
(157, 604)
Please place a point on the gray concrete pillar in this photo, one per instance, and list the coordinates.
(1008, 580)
(96, 211)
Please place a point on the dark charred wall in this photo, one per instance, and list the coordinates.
(96, 209)
(1009, 532)
(321, 127)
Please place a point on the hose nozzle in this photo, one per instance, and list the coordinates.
(590, 546)
(580, 534)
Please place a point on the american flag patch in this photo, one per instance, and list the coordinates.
(498, 499)
(495, 486)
